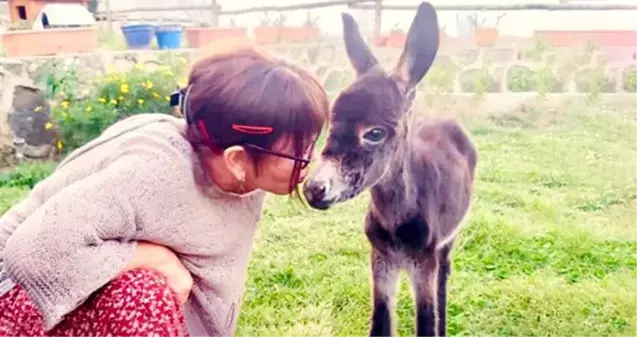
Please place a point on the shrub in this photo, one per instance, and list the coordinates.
(113, 96)
(138, 91)
(629, 79)
(479, 81)
(521, 79)
(26, 174)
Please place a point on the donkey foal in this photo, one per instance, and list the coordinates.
(420, 171)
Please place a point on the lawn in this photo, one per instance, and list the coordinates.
(549, 247)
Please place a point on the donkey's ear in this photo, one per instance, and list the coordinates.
(421, 47)
(358, 52)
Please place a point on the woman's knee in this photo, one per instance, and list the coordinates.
(140, 278)
(140, 302)
(141, 287)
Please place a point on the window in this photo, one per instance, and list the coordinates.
(22, 12)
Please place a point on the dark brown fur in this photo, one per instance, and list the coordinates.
(420, 173)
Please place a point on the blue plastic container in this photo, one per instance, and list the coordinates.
(169, 37)
(138, 36)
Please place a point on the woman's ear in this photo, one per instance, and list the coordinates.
(238, 161)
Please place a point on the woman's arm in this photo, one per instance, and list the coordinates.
(9, 221)
(82, 237)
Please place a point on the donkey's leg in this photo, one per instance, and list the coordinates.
(444, 269)
(424, 276)
(385, 278)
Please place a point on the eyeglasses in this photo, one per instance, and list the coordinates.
(304, 162)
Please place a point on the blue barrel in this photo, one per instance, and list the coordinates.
(138, 36)
(169, 37)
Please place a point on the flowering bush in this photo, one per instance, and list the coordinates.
(629, 79)
(81, 114)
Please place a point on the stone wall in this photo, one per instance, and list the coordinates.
(522, 66)
(21, 76)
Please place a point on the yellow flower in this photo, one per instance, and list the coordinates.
(113, 102)
(59, 145)
(48, 125)
(102, 100)
(147, 84)
(167, 98)
(38, 108)
(120, 98)
(140, 101)
(139, 66)
(89, 108)
(156, 95)
(64, 104)
(124, 88)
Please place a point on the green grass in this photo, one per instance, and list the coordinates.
(549, 247)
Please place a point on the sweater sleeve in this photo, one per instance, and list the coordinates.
(83, 236)
(9, 222)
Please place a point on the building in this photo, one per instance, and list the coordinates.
(29, 9)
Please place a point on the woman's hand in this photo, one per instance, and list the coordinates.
(166, 262)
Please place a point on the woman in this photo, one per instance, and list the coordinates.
(158, 212)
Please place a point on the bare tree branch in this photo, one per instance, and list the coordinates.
(513, 7)
(258, 9)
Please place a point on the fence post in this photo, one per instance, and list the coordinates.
(109, 16)
(378, 12)
(215, 13)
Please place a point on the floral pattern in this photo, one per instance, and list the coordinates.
(139, 303)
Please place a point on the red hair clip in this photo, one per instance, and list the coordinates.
(247, 129)
(252, 130)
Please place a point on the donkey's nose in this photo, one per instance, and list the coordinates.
(315, 191)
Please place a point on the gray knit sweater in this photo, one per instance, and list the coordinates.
(140, 180)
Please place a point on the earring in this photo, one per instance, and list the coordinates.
(242, 189)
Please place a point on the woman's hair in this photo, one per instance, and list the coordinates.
(242, 95)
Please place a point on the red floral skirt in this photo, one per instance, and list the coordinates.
(139, 303)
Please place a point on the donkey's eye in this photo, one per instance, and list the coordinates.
(375, 135)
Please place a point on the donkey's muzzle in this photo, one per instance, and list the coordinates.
(315, 192)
